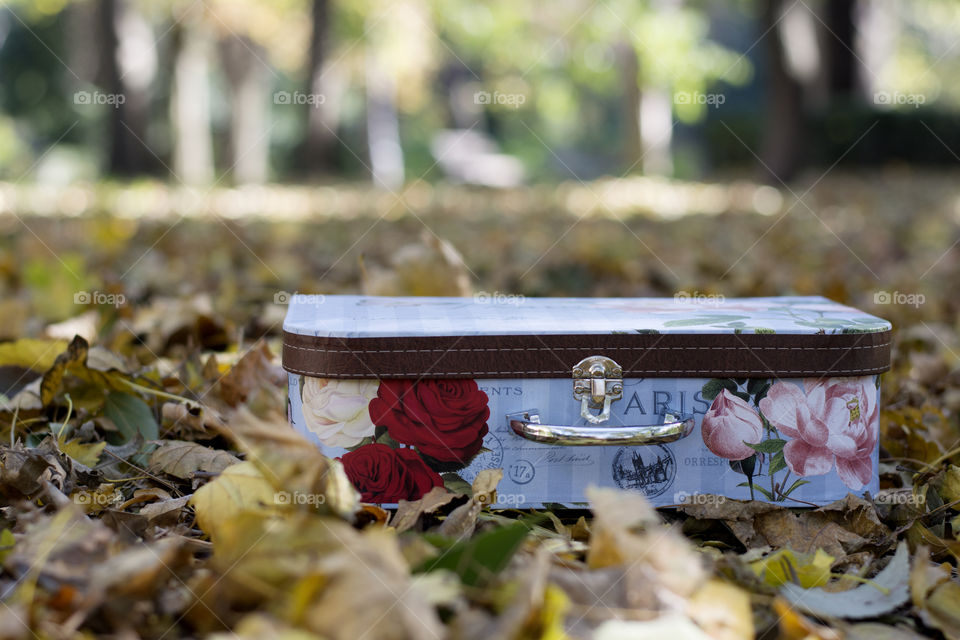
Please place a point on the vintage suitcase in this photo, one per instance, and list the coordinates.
(771, 398)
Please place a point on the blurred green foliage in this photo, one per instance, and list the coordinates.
(566, 64)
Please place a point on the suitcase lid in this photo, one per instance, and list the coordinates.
(516, 337)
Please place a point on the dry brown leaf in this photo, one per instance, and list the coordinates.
(877, 631)
(409, 511)
(254, 371)
(165, 512)
(197, 419)
(321, 574)
(182, 459)
(840, 528)
(463, 520)
(628, 532)
(293, 464)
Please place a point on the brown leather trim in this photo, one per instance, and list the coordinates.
(553, 356)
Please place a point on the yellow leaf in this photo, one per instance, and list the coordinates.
(6, 543)
(723, 611)
(93, 365)
(788, 567)
(951, 484)
(942, 609)
(553, 613)
(240, 488)
(795, 626)
(87, 454)
(259, 625)
(37, 355)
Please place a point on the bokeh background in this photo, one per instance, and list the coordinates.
(177, 168)
(172, 171)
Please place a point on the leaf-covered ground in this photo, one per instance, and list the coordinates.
(151, 488)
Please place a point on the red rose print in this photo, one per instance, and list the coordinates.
(382, 474)
(443, 419)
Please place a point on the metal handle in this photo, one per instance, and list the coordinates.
(673, 427)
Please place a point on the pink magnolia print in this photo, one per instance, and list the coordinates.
(810, 430)
(831, 422)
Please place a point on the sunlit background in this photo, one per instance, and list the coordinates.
(496, 93)
(224, 152)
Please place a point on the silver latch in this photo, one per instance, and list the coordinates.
(597, 381)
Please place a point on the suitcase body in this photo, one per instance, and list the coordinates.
(683, 400)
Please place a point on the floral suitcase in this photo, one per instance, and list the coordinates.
(681, 399)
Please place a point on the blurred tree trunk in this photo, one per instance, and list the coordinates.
(629, 70)
(190, 103)
(783, 116)
(249, 141)
(127, 68)
(647, 117)
(383, 125)
(839, 43)
(319, 149)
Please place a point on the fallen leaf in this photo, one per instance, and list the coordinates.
(788, 567)
(463, 520)
(86, 453)
(795, 626)
(935, 594)
(479, 559)
(628, 532)
(669, 627)
(877, 631)
(96, 366)
(23, 361)
(886, 592)
(941, 609)
(131, 415)
(7, 541)
(165, 512)
(254, 371)
(293, 464)
(951, 484)
(409, 511)
(259, 626)
(237, 489)
(722, 610)
(182, 459)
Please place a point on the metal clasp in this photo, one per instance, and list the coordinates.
(597, 381)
